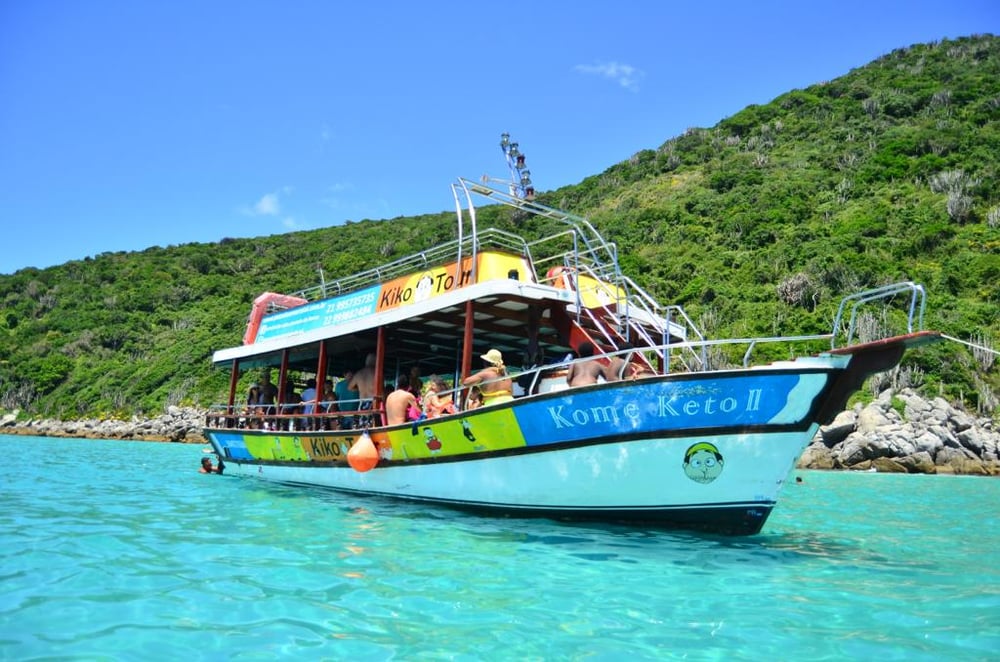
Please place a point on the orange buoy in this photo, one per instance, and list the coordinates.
(363, 456)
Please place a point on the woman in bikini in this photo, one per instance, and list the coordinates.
(492, 380)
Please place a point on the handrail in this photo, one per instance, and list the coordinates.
(438, 255)
(219, 414)
(875, 294)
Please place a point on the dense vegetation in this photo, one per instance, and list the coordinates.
(756, 226)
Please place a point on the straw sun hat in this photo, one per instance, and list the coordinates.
(493, 357)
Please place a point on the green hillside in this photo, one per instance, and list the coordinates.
(756, 226)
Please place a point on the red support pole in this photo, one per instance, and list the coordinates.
(320, 380)
(470, 312)
(379, 367)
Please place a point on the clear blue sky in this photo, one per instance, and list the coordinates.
(129, 124)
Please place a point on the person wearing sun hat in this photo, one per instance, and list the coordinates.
(492, 380)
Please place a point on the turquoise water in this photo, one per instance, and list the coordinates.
(121, 550)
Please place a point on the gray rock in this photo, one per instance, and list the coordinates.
(857, 448)
(959, 461)
(871, 419)
(972, 440)
(817, 456)
(841, 426)
(944, 434)
(888, 465)
(918, 463)
(960, 421)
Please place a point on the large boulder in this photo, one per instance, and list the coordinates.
(918, 463)
(816, 456)
(841, 426)
(871, 419)
(958, 461)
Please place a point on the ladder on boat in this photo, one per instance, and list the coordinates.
(629, 315)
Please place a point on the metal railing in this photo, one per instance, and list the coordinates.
(855, 301)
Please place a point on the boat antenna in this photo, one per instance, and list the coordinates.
(322, 278)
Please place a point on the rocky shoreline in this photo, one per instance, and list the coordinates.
(898, 432)
(904, 433)
(178, 424)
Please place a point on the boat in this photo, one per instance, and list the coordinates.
(680, 437)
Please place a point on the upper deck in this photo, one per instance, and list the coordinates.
(573, 274)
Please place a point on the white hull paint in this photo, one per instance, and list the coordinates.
(625, 477)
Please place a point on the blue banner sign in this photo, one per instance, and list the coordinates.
(320, 313)
(717, 402)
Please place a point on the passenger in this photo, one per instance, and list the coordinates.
(364, 379)
(492, 380)
(416, 384)
(290, 406)
(309, 397)
(399, 401)
(342, 387)
(268, 391)
(346, 399)
(364, 383)
(328, 405)
(474, 399)
(436, 401)
(586, 369)
(308, 408)
(328, 401)
(253, 396)
(268, 396)
(251, 414)
(620, 366)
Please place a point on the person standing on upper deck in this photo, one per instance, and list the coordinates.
(492, 380)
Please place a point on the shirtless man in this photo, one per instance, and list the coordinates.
(363, 382)
(399, 401)
(586, 369)
(619, 367)
(268, 391)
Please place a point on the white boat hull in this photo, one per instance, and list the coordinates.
(643, 480)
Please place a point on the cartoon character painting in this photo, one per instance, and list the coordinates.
(467, 431)
(703, 462)
(433, 443)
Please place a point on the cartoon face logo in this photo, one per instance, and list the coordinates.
(703, 462)
(423, 290)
